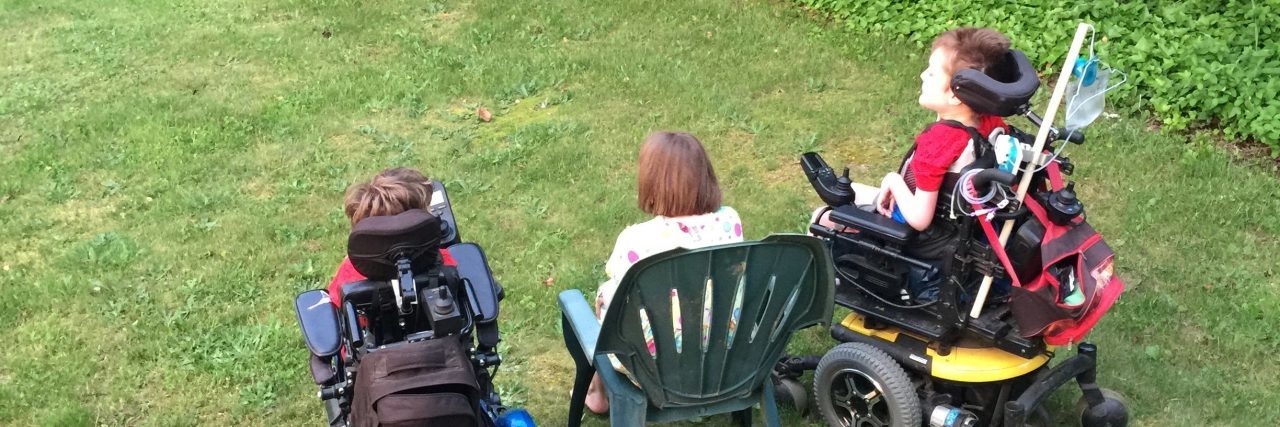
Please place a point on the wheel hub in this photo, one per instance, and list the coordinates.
(859, 399)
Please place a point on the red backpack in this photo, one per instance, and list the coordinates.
(1072, 252)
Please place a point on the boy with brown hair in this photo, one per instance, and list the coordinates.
(911, 194)
(390, 192)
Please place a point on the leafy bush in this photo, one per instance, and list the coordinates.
(1194, 63)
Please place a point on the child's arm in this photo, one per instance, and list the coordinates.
(917, 208)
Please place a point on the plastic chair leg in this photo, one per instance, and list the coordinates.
(577, 400)
(742, 418)
(626, 412)
(769, 405)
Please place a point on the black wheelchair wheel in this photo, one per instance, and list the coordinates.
(1112, 412)
(858, 385)
(790, 392)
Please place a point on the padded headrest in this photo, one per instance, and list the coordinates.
(1004, 90)
(377, 241)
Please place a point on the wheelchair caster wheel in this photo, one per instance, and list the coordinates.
(1112, 412)
(791, 392)
(858, 385)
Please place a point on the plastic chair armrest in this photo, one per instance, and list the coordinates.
(581, 321)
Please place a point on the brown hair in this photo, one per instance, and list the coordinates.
(972, 47)
(675, 177)
(389, 193)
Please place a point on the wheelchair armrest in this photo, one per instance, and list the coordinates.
(481, 288)
(873, 223)
(319, 322)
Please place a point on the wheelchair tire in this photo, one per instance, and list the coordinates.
(858, 385)
(790, 392)
(1113, 412)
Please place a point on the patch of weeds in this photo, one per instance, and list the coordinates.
(481, 37)
(106, 250)
(61, 187)
(258, 395)
(512, 393)
(459, 185)
(521, 91)
(813, 85)
(68, 417)
(202, 200)
(557, 99)
(294, 234)
(534, 206)
(435, 7)
(810, 143)
(520, 145)
(305, 275)
(199, 225)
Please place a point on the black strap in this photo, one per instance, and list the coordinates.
(487, 335)
(980, 142)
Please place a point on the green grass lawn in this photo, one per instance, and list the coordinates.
(171, 175)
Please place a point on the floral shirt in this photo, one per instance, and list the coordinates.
(661, 234)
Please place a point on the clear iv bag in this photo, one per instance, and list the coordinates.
(1085, 101)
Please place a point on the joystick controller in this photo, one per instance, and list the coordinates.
(835, 191)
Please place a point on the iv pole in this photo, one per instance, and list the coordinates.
(1041, 136)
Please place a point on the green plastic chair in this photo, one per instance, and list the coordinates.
(769, 289)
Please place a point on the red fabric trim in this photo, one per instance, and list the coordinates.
(994, 240)
(1055, 176)
(1080, 328)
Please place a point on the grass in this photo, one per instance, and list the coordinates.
(171, 175)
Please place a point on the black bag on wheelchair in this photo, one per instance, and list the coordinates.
(421, 383)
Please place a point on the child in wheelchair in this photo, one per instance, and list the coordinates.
(910, 196)
(920, 244)
(914, 258)
(406, 333)
(390, 192)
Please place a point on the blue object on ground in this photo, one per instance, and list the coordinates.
(516, 418)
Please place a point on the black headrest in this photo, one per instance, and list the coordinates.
(377, 241)
(1004, 90)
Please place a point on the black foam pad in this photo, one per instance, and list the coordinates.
(377, 241)
(1005, 89)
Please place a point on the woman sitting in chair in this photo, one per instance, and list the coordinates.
(677, 185)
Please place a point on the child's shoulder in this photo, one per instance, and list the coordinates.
(941, 133)
(727, 213)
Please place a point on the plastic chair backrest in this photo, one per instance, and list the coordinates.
(696, 353)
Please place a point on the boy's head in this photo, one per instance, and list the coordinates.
(955, 50)
(389, 193)
(675, 177)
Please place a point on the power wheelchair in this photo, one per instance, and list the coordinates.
(913, 358)
(410, 298)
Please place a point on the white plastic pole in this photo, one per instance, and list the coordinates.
(1042, 135)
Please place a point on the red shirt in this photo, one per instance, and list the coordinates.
(347, 273)
(937, 148)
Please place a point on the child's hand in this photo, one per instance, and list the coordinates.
(884, 199)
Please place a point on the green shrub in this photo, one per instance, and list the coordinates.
(1194, 63)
